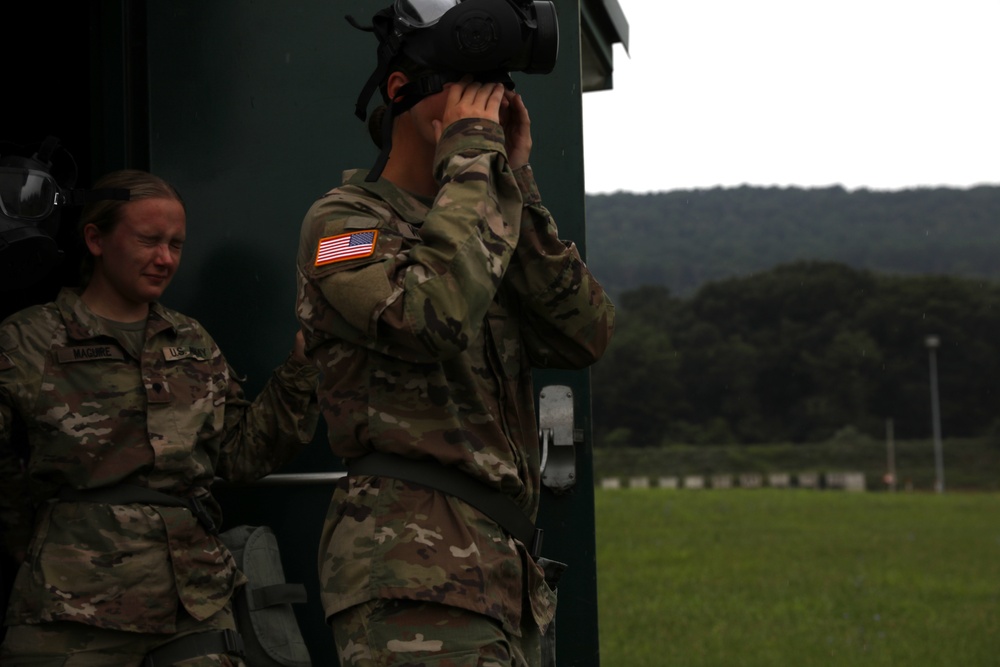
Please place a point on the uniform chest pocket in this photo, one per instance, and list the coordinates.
(89, 392)
(188, 389)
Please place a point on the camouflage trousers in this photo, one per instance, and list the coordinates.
(68, 644)
(407, 633)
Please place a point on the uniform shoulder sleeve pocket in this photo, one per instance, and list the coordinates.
(353, 248)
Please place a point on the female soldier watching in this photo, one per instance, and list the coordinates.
(128, 412)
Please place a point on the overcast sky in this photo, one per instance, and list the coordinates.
(880, 94)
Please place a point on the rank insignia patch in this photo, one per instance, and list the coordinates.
(346, 246)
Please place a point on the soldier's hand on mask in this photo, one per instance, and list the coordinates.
(517, 129)
(470, 99)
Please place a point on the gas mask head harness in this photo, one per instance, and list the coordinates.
(449, 39)
(33, 193)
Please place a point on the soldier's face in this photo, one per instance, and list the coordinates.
(140, 255)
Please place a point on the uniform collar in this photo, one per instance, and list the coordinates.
(410, 207)
(83, 324)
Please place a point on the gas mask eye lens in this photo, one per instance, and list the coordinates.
(422, 13)
(27, 194)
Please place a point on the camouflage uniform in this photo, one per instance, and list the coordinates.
(426, 318)
(93, 416)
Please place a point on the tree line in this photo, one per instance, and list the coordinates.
(798, 353)
(686, 238)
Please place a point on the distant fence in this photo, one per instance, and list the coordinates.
(843, 481)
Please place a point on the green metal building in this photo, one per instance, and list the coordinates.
(247, 107)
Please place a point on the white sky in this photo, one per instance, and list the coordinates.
(880, 94)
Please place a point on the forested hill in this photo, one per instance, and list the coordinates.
(683, 239)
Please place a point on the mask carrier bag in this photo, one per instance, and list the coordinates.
(263, 607)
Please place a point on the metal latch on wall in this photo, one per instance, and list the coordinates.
(558, 437)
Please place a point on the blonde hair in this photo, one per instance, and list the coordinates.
(105, 214)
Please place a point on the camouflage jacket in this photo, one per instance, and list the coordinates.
(92, 416)
(425, 319)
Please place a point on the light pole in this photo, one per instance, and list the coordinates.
(890, 477)
(932, 343)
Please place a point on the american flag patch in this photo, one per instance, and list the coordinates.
(346, 246)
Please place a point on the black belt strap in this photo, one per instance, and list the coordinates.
(127, 494)
(454, 482)
(271, 596)
(227, 642)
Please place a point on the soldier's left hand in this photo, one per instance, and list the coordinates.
(517, 129)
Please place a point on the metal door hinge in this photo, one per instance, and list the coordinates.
(557, 435)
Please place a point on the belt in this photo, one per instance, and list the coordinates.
(454, 482)
(226, 642)
(127, 494)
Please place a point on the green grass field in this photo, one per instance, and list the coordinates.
(748, 577)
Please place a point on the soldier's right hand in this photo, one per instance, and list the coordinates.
(468, 98)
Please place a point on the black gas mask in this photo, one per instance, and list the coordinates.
(480, 35)
(33, 193)
(31, 199)
(453, 38)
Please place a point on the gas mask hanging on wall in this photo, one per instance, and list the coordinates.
(31, 200)
(34, 191)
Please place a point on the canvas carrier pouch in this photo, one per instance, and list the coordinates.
(263, 607)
